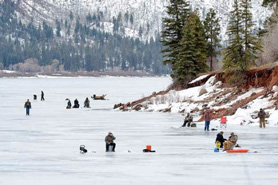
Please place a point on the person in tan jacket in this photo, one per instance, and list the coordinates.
(231, 142)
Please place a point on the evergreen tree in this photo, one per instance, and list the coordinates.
(140, 31)
(178, 11)
(58, 29)
(77, 26)
(126, 17)
(270, 2)
(212, 30)
(71, 15)
(251, 43)
(243, 44)
(131, 19)
(192, 54)
(233, 54)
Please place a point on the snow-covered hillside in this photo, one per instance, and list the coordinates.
(146, 14)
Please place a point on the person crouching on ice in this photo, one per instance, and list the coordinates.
(187, 120)
(220, 138)
(109, 140)
(229, 145)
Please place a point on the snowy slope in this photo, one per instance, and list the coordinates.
(145, 12)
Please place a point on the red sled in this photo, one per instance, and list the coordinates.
(237, 151)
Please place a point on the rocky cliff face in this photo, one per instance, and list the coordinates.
(135, 14)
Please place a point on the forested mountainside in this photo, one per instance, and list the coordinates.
(74, 44)
(95, 35)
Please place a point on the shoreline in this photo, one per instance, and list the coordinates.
(16, 74)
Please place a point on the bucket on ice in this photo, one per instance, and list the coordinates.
(149, 147)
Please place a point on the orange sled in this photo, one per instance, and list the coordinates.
(237, 151)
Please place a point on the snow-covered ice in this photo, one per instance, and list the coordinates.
(43, 149)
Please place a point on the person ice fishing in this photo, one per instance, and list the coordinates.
(208, 117)
(68, 104)
(42, 96)
(109, 141)
(76, 104)
(187, 120)
(87, 103)
(262, 115)
(27, 106)
(220, 138)
(231, 142)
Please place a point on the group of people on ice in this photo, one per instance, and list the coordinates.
(27, 104)
(76, 103)
(226, 144)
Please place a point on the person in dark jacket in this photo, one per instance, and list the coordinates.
(68, 105)
(27, 106)
(76, 104)
(42, 96)
(109, 141)
(262, 115)
(87, 103)
(187, 120)
(220, 138)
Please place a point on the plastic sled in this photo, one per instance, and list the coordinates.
(237, 151)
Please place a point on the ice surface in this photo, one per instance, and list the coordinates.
(43, 149)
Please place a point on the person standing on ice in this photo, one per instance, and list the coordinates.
(27, 106)
(208, 117)
(42, 96)
(262, 115)
(109, 140)
(220, 138)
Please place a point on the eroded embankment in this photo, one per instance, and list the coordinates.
(218, 99)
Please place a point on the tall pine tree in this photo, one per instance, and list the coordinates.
(192, 51)
(178, 11)
(234, 52)
(243, 44)
(212, 30)
(251, 43)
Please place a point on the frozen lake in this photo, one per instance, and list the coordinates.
(43, 149)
